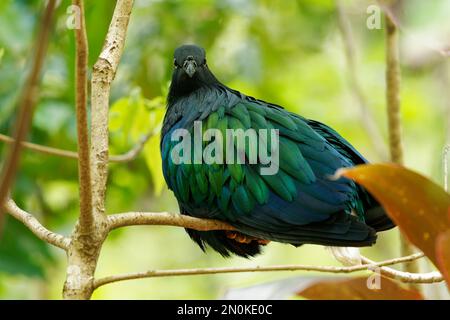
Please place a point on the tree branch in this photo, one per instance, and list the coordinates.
(26, 107)
(445, 153)
(41, 148)
(164, 218)
(104, 71)
(408, 277)
(125, 157)
(35, 226)
(366, 115)
(84, 171)
(394, 115)
(393, 92)
(134, 152)
(87, 239)
(205, 271)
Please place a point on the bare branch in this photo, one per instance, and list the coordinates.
(87, 241)
(84, 171)
(104, 71)
(34, 225)
(26, 106)
(407, 277)
(165, 218)
(393, 92)
(394, 115)
(445, 153)
(135, 151)
(41, 148)
(205, 271)
(366, 115)
(128, 156)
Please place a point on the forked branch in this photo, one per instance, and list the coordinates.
(408, 277)
(91, 230)
(35, 226)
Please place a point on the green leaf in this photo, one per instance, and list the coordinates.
(131, 118)
(59, 114)
(21, 252)
(154, 163)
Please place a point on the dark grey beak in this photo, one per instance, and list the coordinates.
(189, 66)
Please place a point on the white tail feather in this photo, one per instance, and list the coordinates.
(348, 256)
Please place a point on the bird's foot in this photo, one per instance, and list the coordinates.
(242, 238)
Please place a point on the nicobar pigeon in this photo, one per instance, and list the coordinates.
(300, 204)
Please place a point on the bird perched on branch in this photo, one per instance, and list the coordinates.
(286, 196)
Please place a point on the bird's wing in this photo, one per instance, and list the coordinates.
(298, 204)
(342, 145)
(374, 214)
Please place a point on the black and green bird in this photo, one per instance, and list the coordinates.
(298, 205)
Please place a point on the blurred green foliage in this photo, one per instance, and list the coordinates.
(287, 52)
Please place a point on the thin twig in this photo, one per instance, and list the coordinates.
(84, 170)
(26, 107)
(41, 148)
(407, 277)
(444, 81)
(165, 218)
(125, 157)
(366, 115)
(36, 227)
(393, 92)
(445, 153)
(134, 152)
(205, 271)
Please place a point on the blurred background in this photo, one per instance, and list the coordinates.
(293, 53)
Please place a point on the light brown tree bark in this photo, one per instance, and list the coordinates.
(92, 228)
(394, 115)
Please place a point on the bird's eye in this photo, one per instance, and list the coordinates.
(204, 62)
(175, 63)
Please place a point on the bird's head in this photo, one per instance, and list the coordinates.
(187, 59)
(190, 71)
